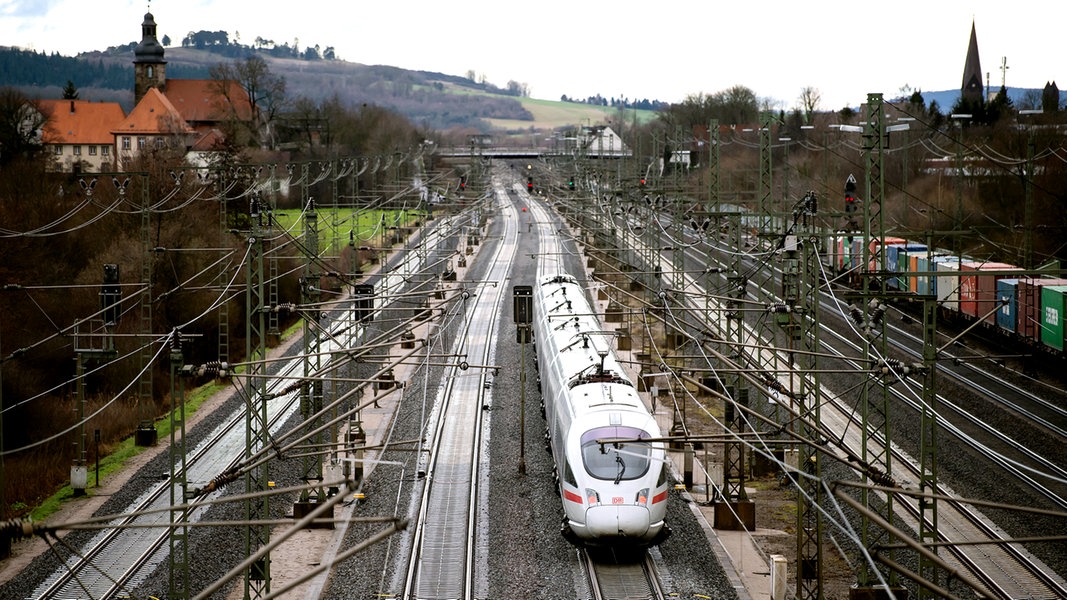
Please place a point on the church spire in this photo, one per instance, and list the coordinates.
(149, 67)
(972, 89)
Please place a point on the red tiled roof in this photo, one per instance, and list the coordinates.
(200, 100)
(153, 115)
(208, 141)
(80, 121)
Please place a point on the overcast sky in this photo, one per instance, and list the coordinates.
(662, 50)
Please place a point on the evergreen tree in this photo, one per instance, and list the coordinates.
(69, 91)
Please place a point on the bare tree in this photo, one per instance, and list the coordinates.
(809, 101)
(21, 125)
(266, 91)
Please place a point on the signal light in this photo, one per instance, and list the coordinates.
(462, 182)
(851, 204)
(642, 182)
(570, 183)
(529, 184)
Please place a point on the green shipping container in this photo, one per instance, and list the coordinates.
(1053, 303)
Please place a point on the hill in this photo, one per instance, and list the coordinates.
(433, 100)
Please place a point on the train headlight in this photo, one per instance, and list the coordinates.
(642, 497)
(592, 497)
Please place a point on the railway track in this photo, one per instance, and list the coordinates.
(112, 561)
(442, 561)
(613, 576)
(1006, 568)
(115, 560)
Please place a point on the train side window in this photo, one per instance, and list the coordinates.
(663, 476)
(568, 474)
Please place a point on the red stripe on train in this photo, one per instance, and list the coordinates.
(660, 497)
(569, 495)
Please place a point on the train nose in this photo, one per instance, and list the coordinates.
(617, 521)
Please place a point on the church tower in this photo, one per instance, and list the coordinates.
(149, 68)
(972, 90)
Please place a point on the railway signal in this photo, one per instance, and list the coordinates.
(851, 202)
(363, 301)
(529, 183)
(570, 183)
(110, 295)
(462, 182)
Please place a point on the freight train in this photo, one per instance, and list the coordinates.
(1023, 307)
(611, 470)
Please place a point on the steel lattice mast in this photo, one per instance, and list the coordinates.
(257, 479)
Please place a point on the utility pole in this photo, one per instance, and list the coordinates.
(928, 533)
(146, 432)
(735, 511)
(273, 327)
(311, 382)
(224, 274)
(257, 479)
(178, 536)
(98, 344)
(876, 440)
(764, 208)
(808, 402)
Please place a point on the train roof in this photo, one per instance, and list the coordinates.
(582, 347)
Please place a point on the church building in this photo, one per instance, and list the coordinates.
(191, 116)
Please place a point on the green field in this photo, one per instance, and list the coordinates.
(552, 114)
(339, 226)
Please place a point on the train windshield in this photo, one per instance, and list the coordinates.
(616, 460)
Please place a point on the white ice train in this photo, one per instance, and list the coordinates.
(613, 484)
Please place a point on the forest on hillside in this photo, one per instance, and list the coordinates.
(426, 98)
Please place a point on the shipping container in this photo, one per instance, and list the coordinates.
(1028, 304)
(986, 283)
(969, 287)
(1007, 314)
(875, 259)
(926, 263)
(833, 253)
(856, 252)
(978, 287)
(892, 256)
(906, 261)
(1053, 300)
(948, 282)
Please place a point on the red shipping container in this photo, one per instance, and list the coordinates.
(874, 260)
(986, 289)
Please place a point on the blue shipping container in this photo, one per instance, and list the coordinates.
(904, 264)
(892, 255)
(1007, 314)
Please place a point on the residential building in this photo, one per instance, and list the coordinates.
(77, 134)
